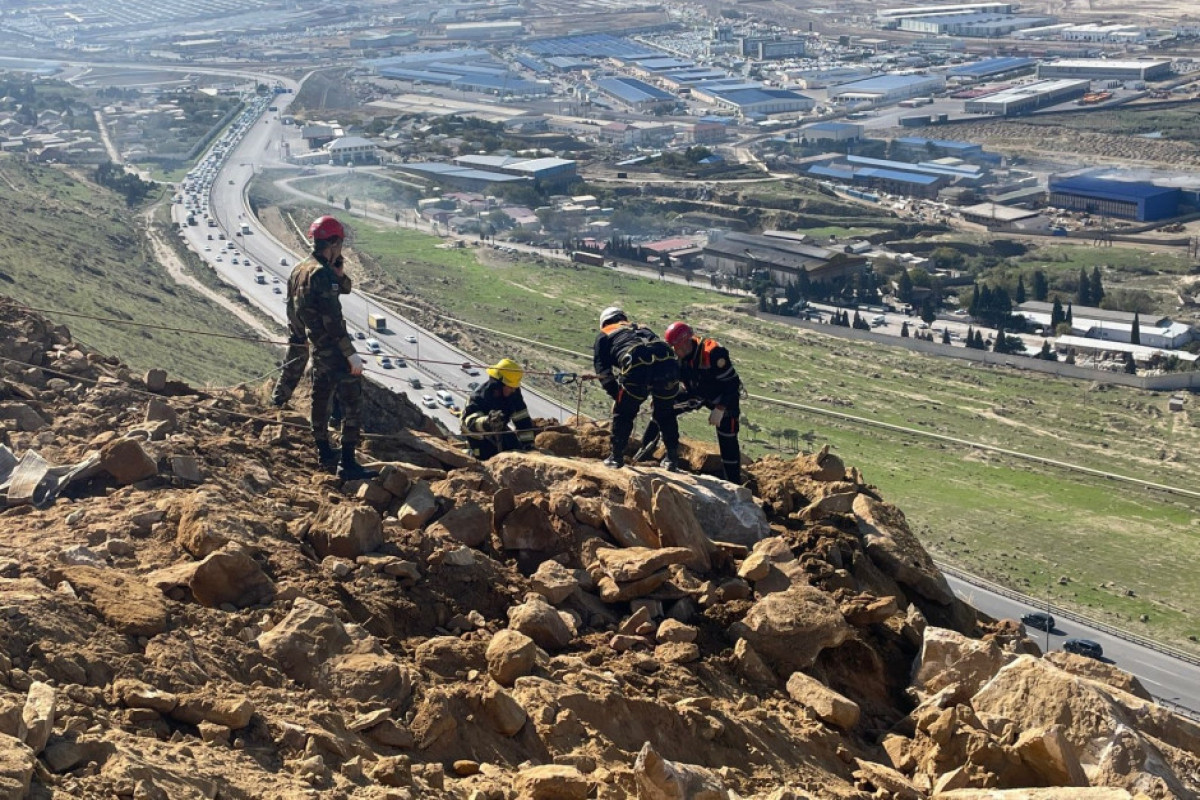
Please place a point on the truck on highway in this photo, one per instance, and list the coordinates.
(260, 278)
(245, 228)
(377, 322)
(584, 257)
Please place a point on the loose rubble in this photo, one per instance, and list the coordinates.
(538, 626)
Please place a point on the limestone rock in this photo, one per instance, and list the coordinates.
(367, 678)
(678, 527)
(126, 461)
(510, 655)
(791, 628)
(230, 576)
(419, 506)
(554, 582)
(892, 546)
(127, 604)
(468, 523)
(887, 779)
(450, 656)
(308, 636)
(346, 530)
(659, 779)
(725, 512)
(37, 718)
(232, 712)
(1098, 671)
(671, 630)
(538, 620)
(756, 567)
(135, 694)
(750, 665)
(552, 782)
(634, 563)
(16, 768)
(828, 705)
(206, 525)
(504, 713)
(528, 527)
(1046, 751)
(947, 657)
(629, 526)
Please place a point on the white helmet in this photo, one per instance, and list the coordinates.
(610, 314)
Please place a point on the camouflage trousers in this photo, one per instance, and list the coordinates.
(332, 379)
(293, 369)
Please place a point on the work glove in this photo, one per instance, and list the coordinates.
(715, 417)
(496, 421)
(356, 364)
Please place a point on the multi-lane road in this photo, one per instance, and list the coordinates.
(430, 363)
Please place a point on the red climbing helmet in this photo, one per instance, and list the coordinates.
(326, 228)
(677, 333)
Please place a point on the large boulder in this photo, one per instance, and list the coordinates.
(724, 511)
(947, 657)
(468, 523)
(791, 628)
(893, 547)
(1098, 721)
(303, 640)
(510, 655)
(537, 619)
(346, 530)
(829, 706)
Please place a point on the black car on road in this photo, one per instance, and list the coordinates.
(1040, 620)
(1084, 647)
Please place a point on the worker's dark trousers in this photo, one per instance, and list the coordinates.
(630, 398)
(727, 442)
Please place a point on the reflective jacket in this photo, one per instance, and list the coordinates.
(490, 397)
(708, 374)
(314, 306)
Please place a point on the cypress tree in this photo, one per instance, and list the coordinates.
(1041, 290)
(1083, 295)
(1135, 333)
(979, 345)
(1097, 288)
(1056, 314)
(970, 337)
(1070, 317)
(904, 330)
(1020, 289)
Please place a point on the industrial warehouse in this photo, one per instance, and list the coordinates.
(1027, 98)
(1124, 199)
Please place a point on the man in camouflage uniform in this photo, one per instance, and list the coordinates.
(296, 358)
(315, 308)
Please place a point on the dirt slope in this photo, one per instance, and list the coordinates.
(198, 614)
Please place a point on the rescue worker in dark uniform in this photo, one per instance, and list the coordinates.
(709, 377)
(315, 308)
(632, 364)
(492, 407)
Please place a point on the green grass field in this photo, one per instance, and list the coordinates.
(71, 248)
(1009, 519)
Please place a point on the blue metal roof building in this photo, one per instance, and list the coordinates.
(1144, 202)
(633, 92)
(990, 67)
(594, 45)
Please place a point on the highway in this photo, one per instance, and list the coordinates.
(440, 366)
(1165, 677)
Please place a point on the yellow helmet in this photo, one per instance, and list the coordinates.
(507, 372)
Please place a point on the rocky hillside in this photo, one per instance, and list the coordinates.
(188, 610)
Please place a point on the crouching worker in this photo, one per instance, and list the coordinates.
(492, 407)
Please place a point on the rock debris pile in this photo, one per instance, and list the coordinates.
(188, 610)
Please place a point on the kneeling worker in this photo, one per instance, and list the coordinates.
(633, 364)
(492, 407)
(708, 376)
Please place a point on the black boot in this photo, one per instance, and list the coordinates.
(327, 457)
(733, 473)
(350, 469)
(671, 462)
